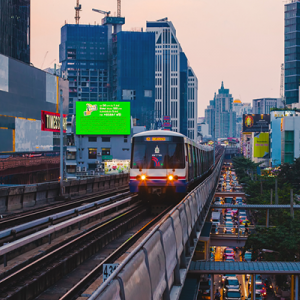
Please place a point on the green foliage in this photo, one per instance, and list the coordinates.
(284, 239)
(290, 173)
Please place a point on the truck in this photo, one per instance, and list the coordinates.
(216, 218)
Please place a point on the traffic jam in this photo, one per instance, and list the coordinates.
(229, 222)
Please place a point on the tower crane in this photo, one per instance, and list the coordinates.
(101, 12)
(77, 10)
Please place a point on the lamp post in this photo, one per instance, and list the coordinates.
(61, 143)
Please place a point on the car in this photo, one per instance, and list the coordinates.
(229, 259)
(215, 229)
(231, 282)
(228, 251)
(244, 222)
(247, 256)
(228, 218)
(228, 200)
(204, 290)
(232, 294)
(260, 287)
(224, 276)
(258, 296)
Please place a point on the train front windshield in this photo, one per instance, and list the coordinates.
(163, 152)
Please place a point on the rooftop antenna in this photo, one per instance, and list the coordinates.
(101, 12)
(77, 10)
(119, 8)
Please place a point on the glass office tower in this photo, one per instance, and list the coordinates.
(292, 51)
(15, 29)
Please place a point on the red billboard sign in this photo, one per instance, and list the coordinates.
(50, 121)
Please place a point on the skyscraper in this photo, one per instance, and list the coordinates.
(102, 65)
(134, 74)
(15, 29)
(220, 115)
(175, 82)
(292, 51)
(83, 53)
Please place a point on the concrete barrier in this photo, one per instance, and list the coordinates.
(19, 197)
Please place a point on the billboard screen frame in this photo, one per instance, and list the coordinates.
(79, 110)
(256, 122)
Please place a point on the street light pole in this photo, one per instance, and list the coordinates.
(214, 144)
(61, 143)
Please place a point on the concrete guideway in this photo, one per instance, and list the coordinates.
(158, 267)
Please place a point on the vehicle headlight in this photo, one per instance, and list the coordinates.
(143, 177)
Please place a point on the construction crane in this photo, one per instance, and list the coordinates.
(44, 59)
(101, 12)
(119, 8)
(77, 10)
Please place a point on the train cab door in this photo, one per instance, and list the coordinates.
(190, 163)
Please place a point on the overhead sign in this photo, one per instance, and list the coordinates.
(256, 123)
(102, 118)
(261, 145)
(50, 121)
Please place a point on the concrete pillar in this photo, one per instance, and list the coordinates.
(238, 224)
(212, 286)
(296, 287)
(267, 218)
(207, 252)
(253, 290)
(292, 287)
(276, 192)
(292, 204)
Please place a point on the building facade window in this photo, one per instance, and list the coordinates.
(71, 169)
(106, 139)
(92, 139)
(70, 155)
(92, 166)
(105, 151)
(92, 153)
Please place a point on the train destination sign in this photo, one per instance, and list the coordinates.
(50, 121)
(256, 123)
(102, 118)
(158, 139)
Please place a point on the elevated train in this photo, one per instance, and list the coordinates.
(167, 162)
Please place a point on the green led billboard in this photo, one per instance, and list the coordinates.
(102, 118)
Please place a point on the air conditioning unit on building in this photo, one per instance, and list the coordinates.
(99, 154)
(83, 169)
(78, 169)
(92, 172)
(97, 162)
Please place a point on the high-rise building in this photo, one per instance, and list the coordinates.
(175, 82)
(264, 105)
(240, 109)
(220, 115)
(15, 29)
(210, 118)
(84, 56)
(292, 51)
(106, 66)
(134, 77)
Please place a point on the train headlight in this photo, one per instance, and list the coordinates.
(143, 177)
(138, 177)
(170, 177)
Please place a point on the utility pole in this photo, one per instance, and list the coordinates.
(292, 204)
(214, 144)
(61, 144)
(276, 191)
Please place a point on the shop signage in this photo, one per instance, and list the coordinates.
(50, 121)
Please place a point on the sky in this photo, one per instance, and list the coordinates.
(239, 42)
